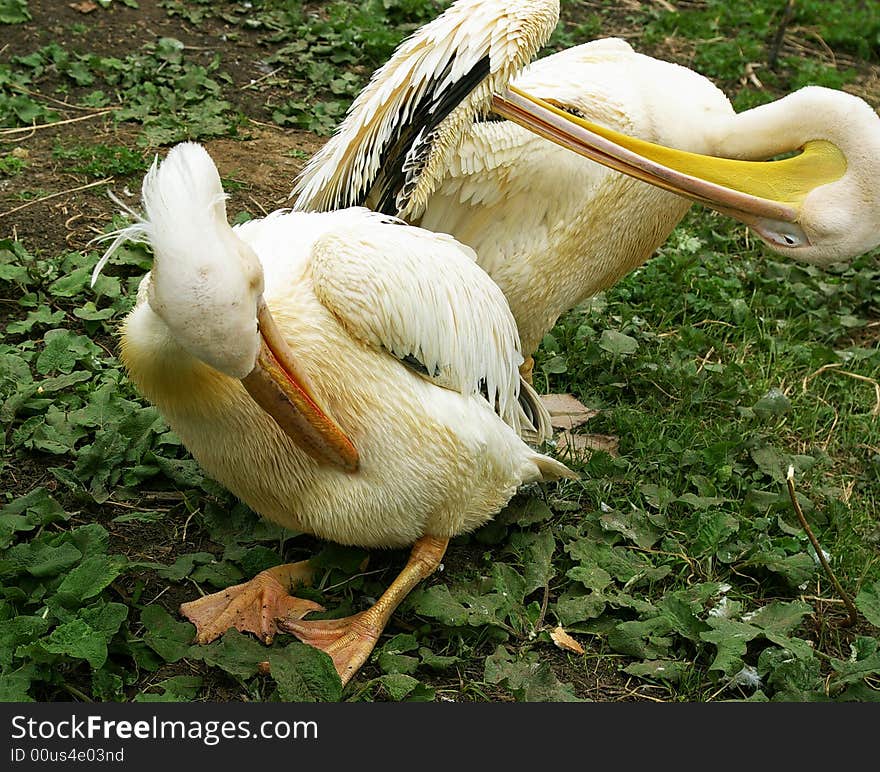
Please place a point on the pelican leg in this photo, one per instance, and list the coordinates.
(525, 370)
(350, 640)
(254, 606)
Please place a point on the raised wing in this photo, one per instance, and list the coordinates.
(398, 134)
(421, 297)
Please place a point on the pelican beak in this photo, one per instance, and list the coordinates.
(277, 386)
(765, 195)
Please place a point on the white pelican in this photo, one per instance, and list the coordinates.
(552, 228)
(379, 402)
(344, 374)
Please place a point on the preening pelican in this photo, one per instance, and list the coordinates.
(552, 228)
(344, 374)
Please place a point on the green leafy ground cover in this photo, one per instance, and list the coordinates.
(676, 560)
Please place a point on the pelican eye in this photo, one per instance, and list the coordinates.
(781, 234)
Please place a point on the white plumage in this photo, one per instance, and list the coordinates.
(439, 79)
(345, 301)
(552, 228)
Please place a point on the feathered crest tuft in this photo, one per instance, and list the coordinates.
(184, 189)
(138, 232)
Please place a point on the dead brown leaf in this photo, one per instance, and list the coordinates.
(564, 641)
(566, 411)
(86, 6)
(580, 444)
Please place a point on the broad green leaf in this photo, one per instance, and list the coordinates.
(656, 495)
(304, 674)
(529, 678)
(700, 502)
(218, 574)
(25, 513)
(63, 349)
(868, 602)
(16, 631)
(525, 512)
(184, 565)
(24, 395)
(682, 617)
(731, 638)
(617, 343)
(88, 578)
(252, 560)
(91, 539)
(436, 602)
(77, 639)
(14, 685)
(796, 569)
(713, 530)
(169, 638)
(590, 576)
(508, 583)
(633, 524)
(779, 617)
(90, 313)
(398, 685)
(42, 317)
(501, 666)
(579, 608)
(397, 663)
(105, 618)
(536, 551)
(183, 471)
(437, 661)
(773, 403)
(108, 686)
(42, 560)
(544, 686)
(14, 11)
(400, 643)
(660, 669)
(141, 517)
(236, 653)
(645, 639)
(864, 664)
(792, 679)
(175, 689)
(71, 284)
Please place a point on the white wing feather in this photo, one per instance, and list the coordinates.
(432, 60)
(420, 295)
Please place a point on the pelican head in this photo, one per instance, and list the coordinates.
(819, 206)
(206, 285)
(840, 217)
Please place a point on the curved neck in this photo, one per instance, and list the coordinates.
(786, 124)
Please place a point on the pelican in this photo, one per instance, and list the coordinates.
(553, 228)
(343, 373)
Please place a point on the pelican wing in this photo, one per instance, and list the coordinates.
(396, 138)
(421, 297)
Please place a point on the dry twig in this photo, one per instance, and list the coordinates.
(773, 56)
(833, 366)
(850, 607)
(40, 200)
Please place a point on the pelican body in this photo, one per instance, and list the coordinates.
(344, 374)
(553, 227)
(432, 460)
